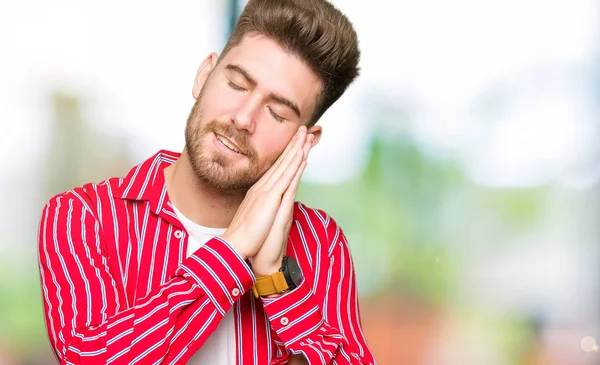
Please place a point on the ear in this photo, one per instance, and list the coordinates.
(206, 67)
(316, 130)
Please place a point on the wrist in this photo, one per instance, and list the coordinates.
(275, 282)
(265, 270)
(233, 242)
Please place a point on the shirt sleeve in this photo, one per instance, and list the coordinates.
(87, 319)
(325, 325)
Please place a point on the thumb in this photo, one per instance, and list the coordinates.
(288, 231)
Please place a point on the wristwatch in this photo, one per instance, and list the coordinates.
(287, 278)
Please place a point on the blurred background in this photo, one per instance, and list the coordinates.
(463, 165)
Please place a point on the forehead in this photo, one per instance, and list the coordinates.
(275, 70)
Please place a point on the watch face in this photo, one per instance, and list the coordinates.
(292, 272)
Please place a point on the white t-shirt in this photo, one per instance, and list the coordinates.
(219, 348)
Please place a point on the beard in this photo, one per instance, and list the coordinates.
(214, 168)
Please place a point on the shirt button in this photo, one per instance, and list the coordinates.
(284, 321)
(178, 234)
(235, 292)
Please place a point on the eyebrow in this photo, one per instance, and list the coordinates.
(277, 98)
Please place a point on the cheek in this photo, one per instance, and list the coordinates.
(218, 102)
(272, 145)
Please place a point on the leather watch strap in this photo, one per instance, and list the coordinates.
(270, 284)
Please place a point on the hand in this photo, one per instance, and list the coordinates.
(255, 216)
(297, 360)
(268, 259)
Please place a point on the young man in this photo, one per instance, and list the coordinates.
(204, 257)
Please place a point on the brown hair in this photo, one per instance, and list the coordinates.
(315, 31)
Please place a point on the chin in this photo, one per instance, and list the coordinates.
(222, 176)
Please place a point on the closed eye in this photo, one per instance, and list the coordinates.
(276, 116)
(236, 86)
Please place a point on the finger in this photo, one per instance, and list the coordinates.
(287, 236)
(301, 130)
(290, 194)
(287, 202)
(281, 184)
(288, 149)
(289, 162)
(308, 145)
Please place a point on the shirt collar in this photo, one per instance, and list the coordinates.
(146, 182)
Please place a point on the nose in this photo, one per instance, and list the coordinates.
(244, 117)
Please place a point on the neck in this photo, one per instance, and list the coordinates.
(199, 202)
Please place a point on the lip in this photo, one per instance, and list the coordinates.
(225, 148)
(230, 141)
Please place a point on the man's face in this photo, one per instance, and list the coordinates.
(253, 101)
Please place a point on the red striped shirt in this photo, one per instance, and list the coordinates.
(117, 287)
